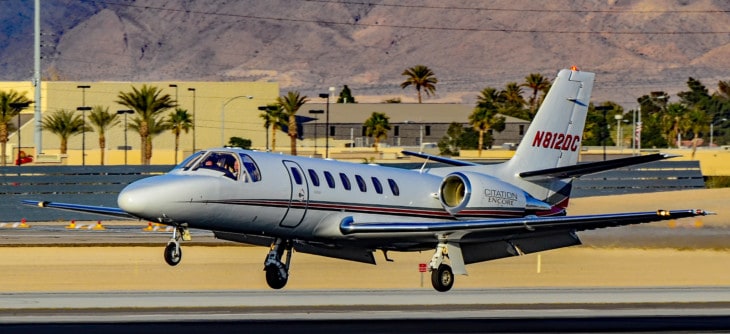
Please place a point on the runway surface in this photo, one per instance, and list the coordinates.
(374, 311)
(661, 277)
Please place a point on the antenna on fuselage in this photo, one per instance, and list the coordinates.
(424, 165)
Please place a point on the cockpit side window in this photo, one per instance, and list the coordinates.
(251, 169)
(223, 162)
(190, 161)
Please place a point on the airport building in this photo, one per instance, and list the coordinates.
(411, 124)
(226, 109)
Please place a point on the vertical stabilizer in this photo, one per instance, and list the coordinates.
(554, 137)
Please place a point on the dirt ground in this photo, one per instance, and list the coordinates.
(125, 268)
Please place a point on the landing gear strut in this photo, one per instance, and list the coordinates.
(173, 251)
(442, 277)
(277, 272)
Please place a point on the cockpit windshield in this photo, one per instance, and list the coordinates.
(224, 162)
(189, 161)
(227, 163)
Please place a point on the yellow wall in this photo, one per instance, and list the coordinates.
(241, 117)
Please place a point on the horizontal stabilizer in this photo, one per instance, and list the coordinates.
(592, 167)
(452, 162)
(99, 210)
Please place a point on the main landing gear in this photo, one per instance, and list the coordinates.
(277, 272)
(173, 251)
(442, 277)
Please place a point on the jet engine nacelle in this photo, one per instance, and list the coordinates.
(469, 194)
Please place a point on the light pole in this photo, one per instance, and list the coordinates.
(126, 148)
(19, 106)
(315, 112)
(604, 128)
(83, 128)
(633, 133)
(193, 90)
(83, 93)
(618, 118)
(327, 122)
(83, 133)
(712, 129)
(265, 109)
(223, 115)
(175, 86)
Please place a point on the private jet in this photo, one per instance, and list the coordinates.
(463, 212)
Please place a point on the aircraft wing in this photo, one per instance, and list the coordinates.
(518, 225)
(100, 210)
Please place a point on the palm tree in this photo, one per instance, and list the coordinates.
(377, 127)
(149, 103)
(699, 122)
(513, 104)
(290, 104)
(485, 118)
(65, 124)
(536, 82)
(154, 128)
(7, 112)
(421, 77)
(489, 97)
(101, 119)
(179, 121)
(274, 118)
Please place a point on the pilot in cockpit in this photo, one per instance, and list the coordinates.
(227, 164)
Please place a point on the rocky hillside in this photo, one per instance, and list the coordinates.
(635, 46)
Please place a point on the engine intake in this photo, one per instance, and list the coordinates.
(469, 194)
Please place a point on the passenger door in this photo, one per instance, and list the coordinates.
(299, 197)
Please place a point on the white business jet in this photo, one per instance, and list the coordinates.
(465, 213)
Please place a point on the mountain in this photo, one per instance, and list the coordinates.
(634, 46)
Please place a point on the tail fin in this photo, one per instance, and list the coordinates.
(554, 137)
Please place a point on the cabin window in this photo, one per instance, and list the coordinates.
(394, 187)
(295, 174)
(330, 179)
(377, 185)
(345, 181)
(314, 177)
(361, 183)
(251, 169)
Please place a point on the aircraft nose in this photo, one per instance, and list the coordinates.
(163, 196)
(135, 198)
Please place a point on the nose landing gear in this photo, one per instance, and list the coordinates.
(173, 251)
(277, 272)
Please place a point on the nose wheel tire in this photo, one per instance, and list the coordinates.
(276, 276)
(442, 278)
(173, 253)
